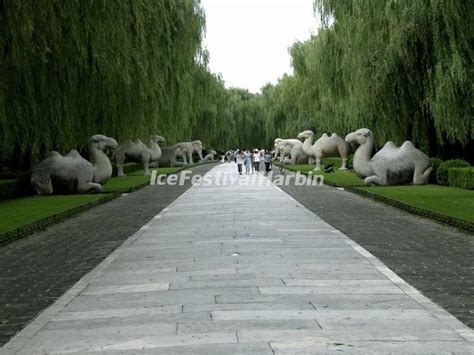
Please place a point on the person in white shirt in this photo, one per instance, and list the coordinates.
(256, 160)
(239, 159)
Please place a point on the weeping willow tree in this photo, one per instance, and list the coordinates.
(69, 69)
(129, 68)
(402, 68)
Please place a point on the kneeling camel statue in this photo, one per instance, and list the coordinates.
(391, 165)
(72, 173)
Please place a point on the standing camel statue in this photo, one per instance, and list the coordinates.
(391, 165)
(72, 173)
(324, 147)
(139, 153)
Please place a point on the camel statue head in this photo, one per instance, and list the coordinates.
(305, 135)
(157, 139)
(101, 142)
(277, 143)
(197, 145)
(359, 137)
(180, 149)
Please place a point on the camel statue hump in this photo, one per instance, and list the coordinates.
(54, 154)
(73, 154)
(389, 145)
(408, 145)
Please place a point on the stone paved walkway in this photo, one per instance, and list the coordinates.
(37, 270)
(229, 269)
(435, 258)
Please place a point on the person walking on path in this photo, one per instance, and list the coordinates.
(247, 162)
(256, 161)
(267, 159)
(252, 164)
(239, 159)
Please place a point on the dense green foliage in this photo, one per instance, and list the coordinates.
(442, 171)
(124, 68)
(461, 177)
(401, 68)
(131, 68)
(71, 69)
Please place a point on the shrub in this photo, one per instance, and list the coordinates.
(435, 163)
(7, 189)
(461, 177)
(442, 173)
(16, 188)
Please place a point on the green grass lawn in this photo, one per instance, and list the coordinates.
(339, 177)
(19, 212)
(449, 201)
(133, 179)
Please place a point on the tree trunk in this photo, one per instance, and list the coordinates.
(430, 132)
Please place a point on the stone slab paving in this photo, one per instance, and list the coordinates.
(241, 269)
(38, 269)
(436, 259)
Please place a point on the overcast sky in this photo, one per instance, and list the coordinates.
(248, 40)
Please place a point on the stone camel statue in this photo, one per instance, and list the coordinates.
(139, 153)
(170, 153)
(230, 155)
(210, 156)
(391, 165)
(290, 151)
(324, 147)
(276, 148)
(191, 148)
(72, 173)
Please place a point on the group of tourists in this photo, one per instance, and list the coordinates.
(251, 159)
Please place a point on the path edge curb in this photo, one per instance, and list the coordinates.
(438, 217)
(24, 231)
(29, 331)
(463, 330)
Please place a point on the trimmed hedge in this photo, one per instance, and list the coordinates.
(442, 173)
(435, 164)
(8, 189)
(461, 177)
